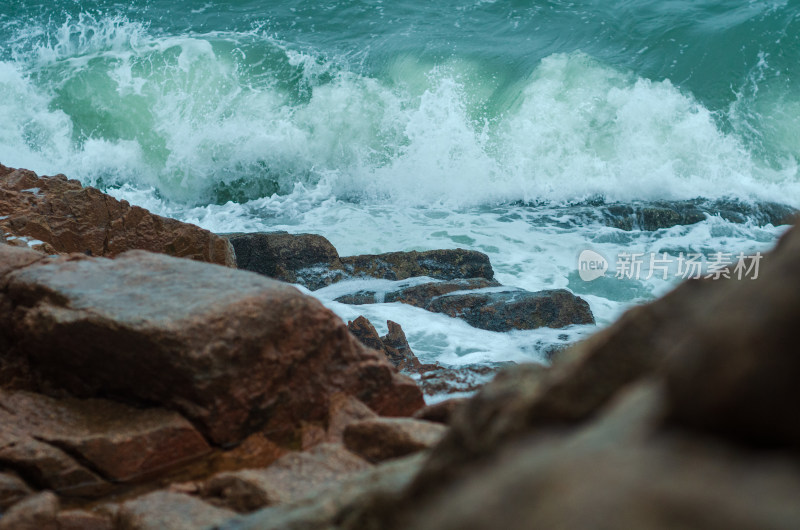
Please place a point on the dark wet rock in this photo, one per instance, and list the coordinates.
(417, 295)
(450, 264)
(655, 215)
(68, 217)
(398, 350)
(37, 512)
(383, 439)
(441, 412)
(394, 344)
(288, 479)
(422, 295)
(12, 490)
(517, 309)
(233, 351)
(312, 261)
(165, 510)
(307, 259)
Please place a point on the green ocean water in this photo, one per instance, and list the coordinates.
(415, 125)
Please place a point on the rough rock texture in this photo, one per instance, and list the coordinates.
(293, 258)
(312, 261)
(507, 310)
(290, 478)
(164, 510)
(118, 442)
(382, 439)
(394, 344)
(436, 379)
(450, 264)
(71, 218)
(233, 351)
(655, 215)
(37, 512)
(46, 466)
(12, 490)
(325, 509)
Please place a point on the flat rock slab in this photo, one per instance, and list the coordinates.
(516, 309)
(68, 217)
(416, 295)
(165, 510)
(290, 478)
(119, 442)
(233, 351)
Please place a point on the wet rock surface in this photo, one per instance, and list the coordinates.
(516, 309)
(655, 215)
(221, 346)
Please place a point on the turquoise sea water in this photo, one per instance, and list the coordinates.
(415, 125)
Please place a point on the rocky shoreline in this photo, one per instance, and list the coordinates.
(143, 390)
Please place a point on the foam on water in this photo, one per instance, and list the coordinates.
(240, 131)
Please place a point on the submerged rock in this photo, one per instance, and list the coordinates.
(417, 295)
(233, 351)
(517, 309)
(450, 264)
(655, 215)
(67, 217)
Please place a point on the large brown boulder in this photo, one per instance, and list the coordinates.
(71, 218)
(233, 351)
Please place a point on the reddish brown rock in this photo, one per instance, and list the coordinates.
(448, 264)
(12, 490)
(233, 351)
(37, 512)
(46, 466)
(71, 218)
(121, 443)
(386, 438)
(417, 295)
(293, 476)
(166, 510)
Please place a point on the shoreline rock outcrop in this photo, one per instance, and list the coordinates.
(61, 216)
